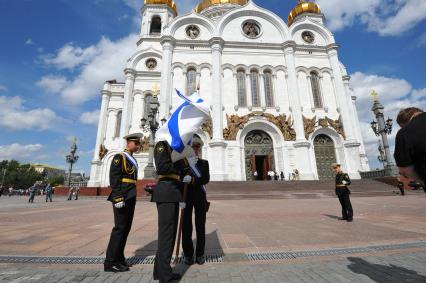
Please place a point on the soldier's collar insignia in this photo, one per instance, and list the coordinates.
(116, 161)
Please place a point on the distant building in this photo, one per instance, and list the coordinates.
(49, 171)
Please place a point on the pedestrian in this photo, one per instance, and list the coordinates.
(196, 201)
(48, 191)
(1, 190)
(282, 176)
(32, 191)
(10, 191)
(255, 175)
(167, 195)
(71, 191)
(276, 176)
(410, 144)
(296, 175)
(343, 192)
(122, 177)
(76, 192)
(401, 186)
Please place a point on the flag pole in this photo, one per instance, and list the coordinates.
(182, 215)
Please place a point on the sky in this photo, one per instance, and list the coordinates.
(56, 54)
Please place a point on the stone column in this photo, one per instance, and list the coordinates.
(340, 92)
(217, 144)
(127, 105)
(262, 94)
(310, 93)
(248, 92)
(275, 92)
(324, 105)
(168, 44)
(100, 136)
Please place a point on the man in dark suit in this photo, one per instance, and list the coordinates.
(122, 177)
(196, 201)
(168, 196)
(343, 192)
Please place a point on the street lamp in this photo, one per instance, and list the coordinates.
(381, 157)
(151, 126)
(382, 128)
(71, 159)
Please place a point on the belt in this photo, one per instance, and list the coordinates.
(127, 180)
(169, 176)
(341, 186)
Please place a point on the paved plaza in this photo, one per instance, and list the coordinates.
(386, 241)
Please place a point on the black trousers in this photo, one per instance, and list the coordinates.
(343, 195)
(123, 218)
(49, 196)
(199, 206)
(168, 217)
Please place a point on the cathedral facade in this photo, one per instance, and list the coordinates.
(280, 98)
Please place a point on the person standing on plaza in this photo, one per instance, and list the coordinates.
(1, 190)
(168, 197)
(410, 144)
(122, 177)
(71, 192)
(282, 176)
(10, 191)
(49, 192)
(32, 190)
(196, 201)
(255, 175)
(76, 192)
(400, 186)
(343, 192)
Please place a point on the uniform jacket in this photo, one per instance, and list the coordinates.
(195, 188)
(167, 189)
(122, 168)
(340, 177)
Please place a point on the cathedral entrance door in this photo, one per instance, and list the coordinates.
(259, 155)
(325, 155)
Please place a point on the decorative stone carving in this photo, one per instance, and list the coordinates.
(151, 63)
(236, 123)
(309, 125)
(251, 29)
(192, 31)
(145, 144)
(102, 151)
(208, 128)
(337, 125)
(308, 37)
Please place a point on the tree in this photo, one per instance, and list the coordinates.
(19, 176)
(56, 180)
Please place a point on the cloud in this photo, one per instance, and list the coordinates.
(385, 17)
(3, 88)
(90, 118)
(97, 63)
(29, 42)
(394, 93)
(15, 117)
(18, 151)
(52, 83)
(421, 41)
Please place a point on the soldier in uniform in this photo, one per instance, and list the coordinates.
(196, 200)
(343, 192)
(122, 177)
(168, 197)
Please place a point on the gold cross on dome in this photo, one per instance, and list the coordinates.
(375, 95)
(156, 89)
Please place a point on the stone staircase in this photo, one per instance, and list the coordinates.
(293, 189)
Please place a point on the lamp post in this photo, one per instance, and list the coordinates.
(382, 128)
(151, 126)
(71, 159)
(381, 157)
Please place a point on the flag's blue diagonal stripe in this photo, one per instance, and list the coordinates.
(177, 143)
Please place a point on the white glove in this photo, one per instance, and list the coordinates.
(182, 205)
(187, 179)
(119, 204)
(344, 182)
(192, 160)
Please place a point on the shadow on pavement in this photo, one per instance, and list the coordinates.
(383, 273)
(332, 216)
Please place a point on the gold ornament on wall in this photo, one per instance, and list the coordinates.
(208, 128)
(102, 151)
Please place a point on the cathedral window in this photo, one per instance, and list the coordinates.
(269, 95)
(155, 25)
(118, 124)
(148, 99)
(191, 81)
(254, 82)
(241, 84)
(316, 92)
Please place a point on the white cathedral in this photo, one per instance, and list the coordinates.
(280, 97)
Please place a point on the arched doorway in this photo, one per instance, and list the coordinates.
(325, 155)
(259, 154)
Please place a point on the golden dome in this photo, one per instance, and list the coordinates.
(207, 3)
(169, 3)
(301, 8)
